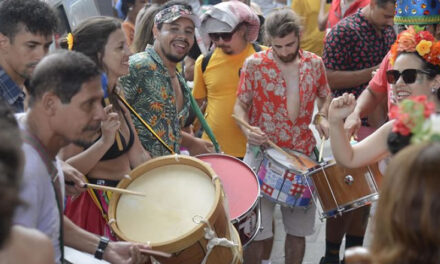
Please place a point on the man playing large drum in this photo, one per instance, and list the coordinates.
(276, 95)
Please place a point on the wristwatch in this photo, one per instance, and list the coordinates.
(103, 242)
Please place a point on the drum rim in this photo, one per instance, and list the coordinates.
(281, 164)
(257, 198)
(194, 234)
(351, 205)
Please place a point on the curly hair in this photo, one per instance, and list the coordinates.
(11, 162)
(37, 17)
(408, 212)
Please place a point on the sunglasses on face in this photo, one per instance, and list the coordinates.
(224, 36)
(409, 75)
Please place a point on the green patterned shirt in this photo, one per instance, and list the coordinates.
(148, 90)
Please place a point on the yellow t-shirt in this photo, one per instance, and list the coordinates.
(311, 39)
(218, 84)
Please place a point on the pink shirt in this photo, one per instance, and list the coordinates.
(379, 83)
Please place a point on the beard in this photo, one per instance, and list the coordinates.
(289, 58)
(174, 58)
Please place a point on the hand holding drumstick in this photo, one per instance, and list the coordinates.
(259, 136)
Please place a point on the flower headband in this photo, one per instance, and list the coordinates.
(415, 40)
(414, 116)
(69, 39)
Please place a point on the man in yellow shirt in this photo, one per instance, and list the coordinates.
(232, 26)
(312, 39)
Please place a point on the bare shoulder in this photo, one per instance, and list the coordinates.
(31, 246)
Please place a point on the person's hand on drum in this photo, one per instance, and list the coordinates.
(200, 146)
(341, 107)
(256, 136)
(109, 126)
(126, 253)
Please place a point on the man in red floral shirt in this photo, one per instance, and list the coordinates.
(276, 96)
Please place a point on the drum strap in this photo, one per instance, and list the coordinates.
(98, 204)
(214, 241)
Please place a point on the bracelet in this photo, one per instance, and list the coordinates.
(103, 242)
(318, 118)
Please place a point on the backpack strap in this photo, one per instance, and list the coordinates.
(205, 60)
(208, 56)
(256, 46)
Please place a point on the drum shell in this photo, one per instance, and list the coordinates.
(249, 216)
(191, 247)
(336, 195)
(284, 182)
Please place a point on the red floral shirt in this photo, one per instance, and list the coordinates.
(264, 89)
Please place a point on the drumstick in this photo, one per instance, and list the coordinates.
(107, 102)
(321, 148)
(112, 189)
(271, 143)
(156, 253)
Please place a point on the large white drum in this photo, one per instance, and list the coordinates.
(183, 203)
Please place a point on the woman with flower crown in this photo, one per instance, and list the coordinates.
(415, 57)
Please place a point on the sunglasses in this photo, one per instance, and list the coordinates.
(224, 36)
(409, 75)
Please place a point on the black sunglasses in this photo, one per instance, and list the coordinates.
(225, 36)
(409, 75)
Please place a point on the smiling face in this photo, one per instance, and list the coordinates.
(422, 84)
(20, 54)
(175, 39)
(116, 54)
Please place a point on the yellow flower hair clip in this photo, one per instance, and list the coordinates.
(69, 41)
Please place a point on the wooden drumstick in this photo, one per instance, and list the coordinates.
(112, 189)
(104, 84)
(271, 143)
(321, 148)
(156, 253)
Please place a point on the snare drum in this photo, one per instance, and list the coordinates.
(340, 189)
(242, 192)
(183, 212)
(282, 179)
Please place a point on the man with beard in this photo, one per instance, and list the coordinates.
(276, 96)
(232, 26)
(155, 88)
(64, 107)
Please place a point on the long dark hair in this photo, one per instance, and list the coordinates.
(90, 38)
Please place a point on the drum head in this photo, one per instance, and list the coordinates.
(239, 182)
(291, 164)
(177, 194)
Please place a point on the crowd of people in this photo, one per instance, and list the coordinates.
(238, 77)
